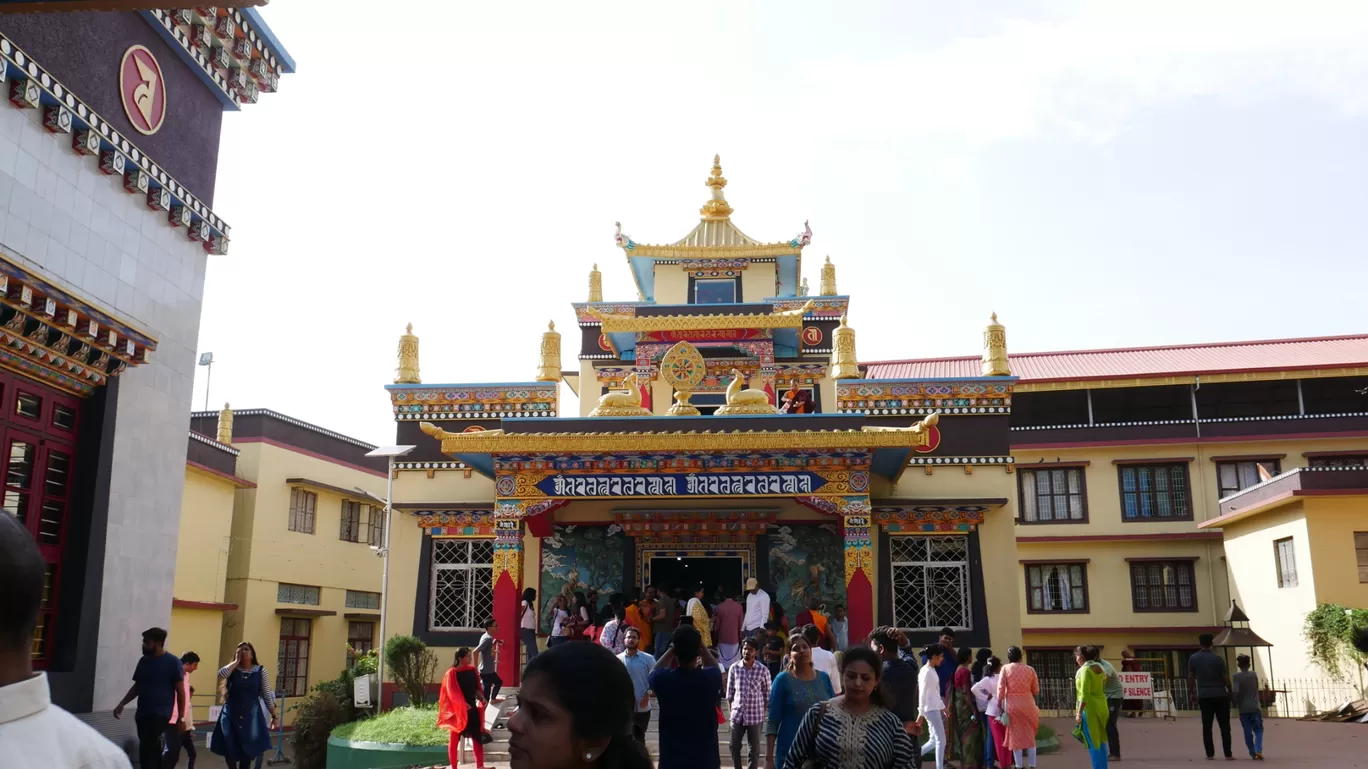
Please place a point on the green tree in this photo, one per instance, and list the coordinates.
(412, 665)
(1330, 631)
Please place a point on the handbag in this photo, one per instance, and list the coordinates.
(1002, 719)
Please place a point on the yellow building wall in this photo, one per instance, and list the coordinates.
(203, 544)
(757, 282)
(199, 631)
(1331, 523)
(1276, 613)
(671, 284)
(266, 553)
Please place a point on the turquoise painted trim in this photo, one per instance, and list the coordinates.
(625, 343)
(889, 462)
(787, 269)
(345, 754)
(287, 62)
(809, 296)
(481, 463)
(643, 270)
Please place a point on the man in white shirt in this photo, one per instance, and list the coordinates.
(757, 610)
(930, 703)
(822, 659)
(34, 733)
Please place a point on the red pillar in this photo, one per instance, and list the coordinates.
(859, 565)
(508, 562)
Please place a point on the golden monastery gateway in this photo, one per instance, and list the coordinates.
(728, 431)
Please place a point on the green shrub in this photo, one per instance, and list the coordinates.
(315, 719)
(1330, 631)
(405, 726)
(411, 664)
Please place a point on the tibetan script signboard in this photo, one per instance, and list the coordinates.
(681, 485)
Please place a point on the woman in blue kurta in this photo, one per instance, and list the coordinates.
(242, 733)
(792, 695)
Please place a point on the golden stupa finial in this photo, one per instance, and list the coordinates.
(828, 278)
(225, 426)
(406, 372)
(844, 364)
(595, 285)
(717, 207)
(549, 370)
(995, 361)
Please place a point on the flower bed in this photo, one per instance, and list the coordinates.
(400, 737)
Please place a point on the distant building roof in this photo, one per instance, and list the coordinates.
(1145, 362)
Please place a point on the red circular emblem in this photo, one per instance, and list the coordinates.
(812, 336)
(933, 439)
(142, 90)
(473, 429)
(603, 343)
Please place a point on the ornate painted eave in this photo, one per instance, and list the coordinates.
(676, 251)
(87, 133)
(231, 50)
(632, 323)
(887, 397)
(501, 442)
(443, 402)
(56, 338)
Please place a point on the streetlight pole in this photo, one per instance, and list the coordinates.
(391, 453)
(207, 360)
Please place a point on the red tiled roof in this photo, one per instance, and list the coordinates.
(1144, 362)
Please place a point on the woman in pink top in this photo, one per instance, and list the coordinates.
(190, 662)
(1017, 690)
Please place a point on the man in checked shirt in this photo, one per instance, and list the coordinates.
(748, 688)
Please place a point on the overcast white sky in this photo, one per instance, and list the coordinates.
(1100, 174)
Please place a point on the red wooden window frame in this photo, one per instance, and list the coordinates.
(292, 675)
(45, 510)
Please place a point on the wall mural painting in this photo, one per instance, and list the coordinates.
(807, 561)
(580, 558)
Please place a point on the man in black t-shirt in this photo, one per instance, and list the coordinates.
(157, 687)
(899, 680)
(688, 698)
(1209, 677)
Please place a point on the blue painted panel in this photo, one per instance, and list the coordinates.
(787, 337)
(788, 275)
(643, 269)
(482, 463)
(887, 462)
(624, 342)
(785, 351)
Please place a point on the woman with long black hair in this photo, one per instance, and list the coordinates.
(242, 733)
(855, 730)
(575, 711)
(527, 623)
(460, 708)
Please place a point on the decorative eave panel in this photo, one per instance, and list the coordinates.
(49, 335)
(500, 442)
(474, 401)
(687, 525)
(634, 324)
(587, 318)
(30, 87)
(741, 251)
(822, 306)
(223, 47)
(465, 524)
(882, 397)
(916, 519)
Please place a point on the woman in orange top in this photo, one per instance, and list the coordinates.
(460, 708)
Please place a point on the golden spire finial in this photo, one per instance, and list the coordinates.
(828, 278)
(595, 285)
(549, 369)
(406, 372)
(717, 207)
(225, 426)
(995, 361)
(844, 364)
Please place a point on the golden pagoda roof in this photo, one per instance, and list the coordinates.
(715, 237)
(633, 323)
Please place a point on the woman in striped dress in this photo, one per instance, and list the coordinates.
(854, 730)
(1017, 690)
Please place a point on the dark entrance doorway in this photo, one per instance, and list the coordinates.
(687, 573)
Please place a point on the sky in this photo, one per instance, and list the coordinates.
(1099, 174)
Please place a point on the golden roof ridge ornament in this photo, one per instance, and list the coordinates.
(225, 426)
(406, 372)
(623, 403)
(844, 364)
(829, 278)
(595, 285)
(549, 370)
(995, 362)
(745, 402)
(716, 208)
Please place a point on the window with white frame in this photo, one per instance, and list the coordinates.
(1057, 587)
(462, 584)
(1286, 561)
(931, 582)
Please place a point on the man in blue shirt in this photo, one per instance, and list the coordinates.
(688, 697)
(157, 687)
(639, 665)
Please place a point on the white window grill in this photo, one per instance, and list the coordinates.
(302, 594)
(462, 596)
(931, 583)
(360, 599)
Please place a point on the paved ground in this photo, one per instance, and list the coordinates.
(1154, 743)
